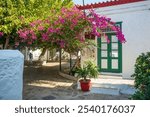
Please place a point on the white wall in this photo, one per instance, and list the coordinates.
(11, 74)
(36, 53)
(135, 26)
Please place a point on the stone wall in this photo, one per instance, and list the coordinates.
(89, 53)
(11, 74)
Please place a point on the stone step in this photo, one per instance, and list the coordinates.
(108, 91)
(111, 89)
(99, 89)
(123, 88)
(100, 85)
(105, 85)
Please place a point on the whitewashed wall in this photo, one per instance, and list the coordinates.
(11, 74)
(135, 26)
(36, 53)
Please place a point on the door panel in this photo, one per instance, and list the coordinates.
(104, 53)
(114, 46)
(114, 54)
(114, 38)
(103, 39)
(114, 63)
(104, 64)
(104, 46)
(110, 55)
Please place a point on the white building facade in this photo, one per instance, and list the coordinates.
(133, 17)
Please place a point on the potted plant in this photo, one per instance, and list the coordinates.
(89, 70)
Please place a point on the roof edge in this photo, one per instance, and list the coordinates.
(106, 4)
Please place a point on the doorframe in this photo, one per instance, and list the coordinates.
(109, 70)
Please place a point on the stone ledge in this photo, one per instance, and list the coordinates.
(68, 76)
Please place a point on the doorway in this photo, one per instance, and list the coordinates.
(110, 54)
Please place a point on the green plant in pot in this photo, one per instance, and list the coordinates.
(89, 70)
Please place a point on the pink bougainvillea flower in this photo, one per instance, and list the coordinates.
(32, 24)
(46, 21)
(62, 43)
(106, 37)
(45, 36)
(101, 23)
(82, 39)
(38, 21)
(29, 42)
(22, 34)
(34, 37)
(1, 34)
(70, 27)
(16, 43)
(121, 37)
(50, 30)
(61, 20)
(57, 30)
(40, 28)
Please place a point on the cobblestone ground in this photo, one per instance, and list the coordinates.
(44, 83)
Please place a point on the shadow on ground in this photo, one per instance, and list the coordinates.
(44, 83)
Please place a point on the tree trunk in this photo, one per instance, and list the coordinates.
(60, 53)
(42, 54)
(6, 42)
(76, 65)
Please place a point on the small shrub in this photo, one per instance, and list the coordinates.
(89, 70)
(142, 77)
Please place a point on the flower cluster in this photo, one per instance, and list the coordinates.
(100, 23)
(1, 34)
(67, 29)
(27, 35)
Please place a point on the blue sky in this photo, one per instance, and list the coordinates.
(87, 1)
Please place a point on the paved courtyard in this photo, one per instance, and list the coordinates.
(44, 83)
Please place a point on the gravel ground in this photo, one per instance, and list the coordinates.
(44, 83)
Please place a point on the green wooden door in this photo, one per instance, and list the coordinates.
(110, 55)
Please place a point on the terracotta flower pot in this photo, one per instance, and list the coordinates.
(85, 85)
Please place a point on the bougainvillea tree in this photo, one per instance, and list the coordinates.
(67, 30)
(15, 14)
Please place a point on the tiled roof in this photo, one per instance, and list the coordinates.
(106, 4)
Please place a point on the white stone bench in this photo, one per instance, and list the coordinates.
(11, 74)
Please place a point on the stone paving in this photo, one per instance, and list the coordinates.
(44, 83)
(118, 85)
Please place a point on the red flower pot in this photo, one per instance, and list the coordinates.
(85, 85)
